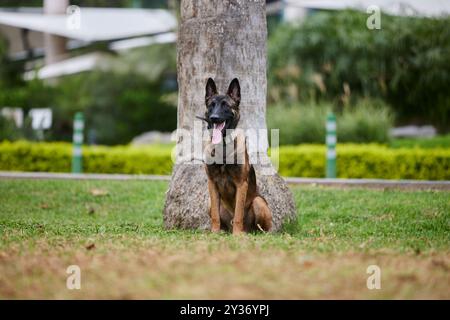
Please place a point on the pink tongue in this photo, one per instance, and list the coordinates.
(217, 133)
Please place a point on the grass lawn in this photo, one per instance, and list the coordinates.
(114, 232)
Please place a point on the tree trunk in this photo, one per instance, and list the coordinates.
(221, 39)
(55, 46)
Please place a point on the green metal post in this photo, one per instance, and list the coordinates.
(78, 127)
(331, 146)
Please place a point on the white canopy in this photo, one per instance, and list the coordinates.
(96, 24)
(69, 66)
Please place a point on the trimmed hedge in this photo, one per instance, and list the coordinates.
(57, 157)
(367, 161)
(354, 161)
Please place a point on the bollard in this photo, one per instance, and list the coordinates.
(331, 146)
(78, 127)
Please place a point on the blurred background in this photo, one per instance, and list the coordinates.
(387, 86)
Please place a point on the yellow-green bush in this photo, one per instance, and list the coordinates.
(354, 161)
(367, 161)
(56, 157)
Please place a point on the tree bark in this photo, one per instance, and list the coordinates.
(55, 46)
(221, 39)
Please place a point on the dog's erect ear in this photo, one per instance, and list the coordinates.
(234, 91)
(211, 89)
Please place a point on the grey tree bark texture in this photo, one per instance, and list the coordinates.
(221, 39)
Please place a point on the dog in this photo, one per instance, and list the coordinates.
(235, 203)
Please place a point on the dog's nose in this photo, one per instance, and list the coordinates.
(214, 118)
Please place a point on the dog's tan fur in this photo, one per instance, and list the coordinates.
(235, 203)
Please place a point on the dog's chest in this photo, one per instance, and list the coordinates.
(225, 177)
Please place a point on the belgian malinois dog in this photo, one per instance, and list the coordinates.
(235, 203)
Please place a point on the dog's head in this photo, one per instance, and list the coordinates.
(222, 111)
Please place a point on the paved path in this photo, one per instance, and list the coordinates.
(341, 183)
(373, 183)
(85, 176)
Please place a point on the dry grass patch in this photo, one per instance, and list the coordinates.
(154, 272)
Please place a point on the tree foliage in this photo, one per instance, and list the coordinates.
(134, 94)
(333, 55)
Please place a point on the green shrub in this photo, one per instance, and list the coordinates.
(407, 62)
(367, 161)
(427, 143)
(57, 157)
(354, 161)
(129, 160)
(8, 130)
(117, 107)
(298, 124)
(365, 121)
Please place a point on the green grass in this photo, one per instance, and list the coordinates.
(114, 232)
(328, 219)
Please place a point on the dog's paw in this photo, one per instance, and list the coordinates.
(215, 229)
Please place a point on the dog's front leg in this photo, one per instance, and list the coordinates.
(215, 206)
(241, 195)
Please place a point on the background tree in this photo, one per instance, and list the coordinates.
(222, 40)
(330, 57)
(55, 46)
